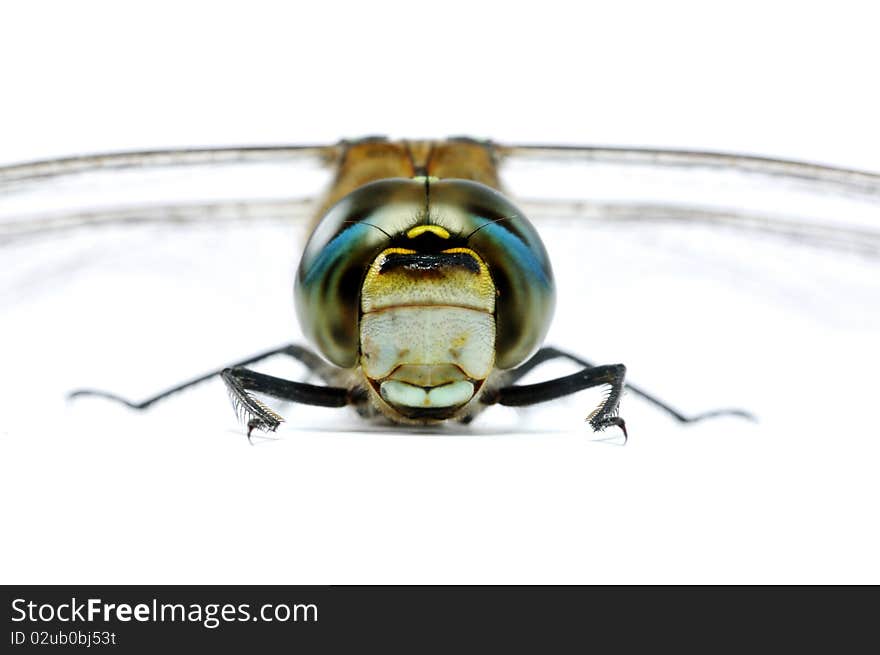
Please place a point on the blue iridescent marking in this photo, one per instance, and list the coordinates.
(520, 250)
(335, 252)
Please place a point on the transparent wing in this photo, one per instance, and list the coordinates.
(160, 187)
(824, 206)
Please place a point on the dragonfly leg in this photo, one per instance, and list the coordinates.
(549, 353)
(241, 381)
(314, 363)
(602, 417)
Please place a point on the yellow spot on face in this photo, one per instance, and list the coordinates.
(433, 229)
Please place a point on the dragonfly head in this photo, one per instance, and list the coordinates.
(427, 285)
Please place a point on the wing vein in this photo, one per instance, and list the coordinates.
(862, 181)
(51, 168)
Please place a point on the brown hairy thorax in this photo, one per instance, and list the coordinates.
(369, 160)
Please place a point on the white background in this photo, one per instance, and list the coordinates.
(93, 493)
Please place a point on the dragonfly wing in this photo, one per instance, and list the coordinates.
(27, 173)
(51, 211)
(161, 187)
(826, 206)
(217, 212)
(113, 230)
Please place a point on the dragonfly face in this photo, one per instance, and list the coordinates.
(426, 285)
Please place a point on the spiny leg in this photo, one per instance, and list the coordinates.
(603, 416)
(550, 353)
(241, 381)
(304, 355)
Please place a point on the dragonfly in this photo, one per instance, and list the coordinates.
(425, 291)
